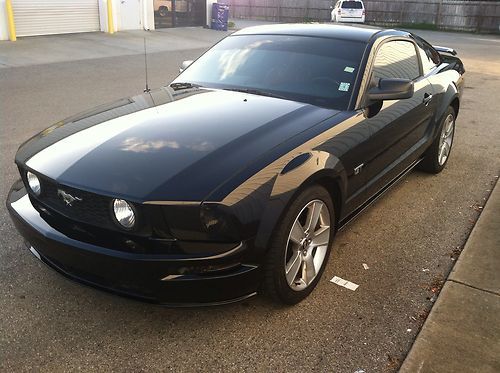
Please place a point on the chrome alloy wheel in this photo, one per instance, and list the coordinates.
(446, 139)
(307, 245)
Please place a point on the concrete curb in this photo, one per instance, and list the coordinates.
(462, 331)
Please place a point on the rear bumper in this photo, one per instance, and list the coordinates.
(152, 278)
(351, 19)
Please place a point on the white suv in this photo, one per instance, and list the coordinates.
(348, 11)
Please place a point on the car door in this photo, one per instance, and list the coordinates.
(397, 127)
(431, 60)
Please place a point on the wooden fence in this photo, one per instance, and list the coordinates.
(459, 15)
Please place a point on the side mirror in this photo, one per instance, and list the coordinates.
(391, 89)
(184, 65)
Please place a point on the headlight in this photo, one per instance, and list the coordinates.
(124, 213)
(34, 183)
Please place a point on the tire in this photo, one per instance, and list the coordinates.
(307, 261)
(163, 11)
(434, 160)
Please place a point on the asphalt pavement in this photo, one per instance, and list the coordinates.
(409, 240)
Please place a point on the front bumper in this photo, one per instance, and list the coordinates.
(152, 278)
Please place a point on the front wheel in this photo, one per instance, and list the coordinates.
(437, 155)
(300, 247)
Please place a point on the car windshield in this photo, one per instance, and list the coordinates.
(315, 70)
(352, 5)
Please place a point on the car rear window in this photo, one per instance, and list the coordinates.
(352, 5)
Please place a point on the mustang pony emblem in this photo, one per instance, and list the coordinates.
(68, 198)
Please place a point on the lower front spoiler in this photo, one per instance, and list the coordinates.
(145, 277)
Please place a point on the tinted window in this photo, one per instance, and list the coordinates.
(352, 5)
(396, 59)
(432, 54)
(319, 71)
(427, 62)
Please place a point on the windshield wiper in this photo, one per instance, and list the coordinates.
(254, 91)
(184, 85)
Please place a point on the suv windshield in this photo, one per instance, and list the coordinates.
(319, 71)
(352, 5)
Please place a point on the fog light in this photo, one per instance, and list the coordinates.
(34, 183)
(124, 213)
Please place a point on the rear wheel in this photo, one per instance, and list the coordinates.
(437, 155)
(300, 247)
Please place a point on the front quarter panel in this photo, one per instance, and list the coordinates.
(260, 200)
(320, 165)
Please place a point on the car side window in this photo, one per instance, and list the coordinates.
(432, 54)
(396, 59)
(427, 62)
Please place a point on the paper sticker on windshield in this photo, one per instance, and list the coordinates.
(349, 69)
(344, 86)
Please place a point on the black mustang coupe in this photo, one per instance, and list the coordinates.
(235, 178)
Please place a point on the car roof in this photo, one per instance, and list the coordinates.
(345, 32)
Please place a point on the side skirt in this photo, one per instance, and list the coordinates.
(376, 196)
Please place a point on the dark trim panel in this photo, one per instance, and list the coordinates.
(350, 218)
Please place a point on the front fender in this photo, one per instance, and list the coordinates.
(255, 199)
(319, 165)
(259, 203)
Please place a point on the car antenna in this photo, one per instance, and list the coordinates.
(147, 90)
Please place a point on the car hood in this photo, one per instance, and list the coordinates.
(166, 145)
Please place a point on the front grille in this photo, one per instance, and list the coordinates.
(89, 218)
(89, 208)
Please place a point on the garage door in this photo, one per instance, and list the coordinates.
(42, 17)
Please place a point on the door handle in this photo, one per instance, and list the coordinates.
(427, 99)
